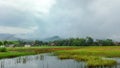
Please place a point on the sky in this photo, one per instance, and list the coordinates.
(65, 18)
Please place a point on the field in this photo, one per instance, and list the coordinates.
(92, 55)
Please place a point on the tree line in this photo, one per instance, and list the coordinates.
(88, 41)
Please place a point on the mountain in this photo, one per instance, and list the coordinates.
(12, 37)
(53, 38)
(8, 37)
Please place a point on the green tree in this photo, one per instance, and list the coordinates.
(106, 42)
(37, 43)
(5, 42)
(1, 43)
(89, 41)
(79, 42)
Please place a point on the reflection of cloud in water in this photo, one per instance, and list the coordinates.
(2, 64)
(42, 61)
(28, 59)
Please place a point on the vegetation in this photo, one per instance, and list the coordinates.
(22, 51)
(79, 49)
(3, 49)
(14, 54)
(92, 61)
(88, 41)
(92, 55)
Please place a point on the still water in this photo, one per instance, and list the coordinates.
(43, 61)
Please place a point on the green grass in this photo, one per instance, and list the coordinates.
(42, 49)
(22, 51)
(14, 54)
(99, 62)
(3, 49)
(92, 61)
(92, 55)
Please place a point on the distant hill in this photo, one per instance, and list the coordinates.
(8, 37)
(52, 38)
(12, 37)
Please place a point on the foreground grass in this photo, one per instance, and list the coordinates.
(14, 54)
(92, 61)
(22, 51)
(92, 55)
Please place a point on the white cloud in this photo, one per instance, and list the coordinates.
(19, 16)
(16, 30)
(104, 7)
(36, 6)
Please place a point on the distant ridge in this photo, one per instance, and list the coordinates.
(8, 37)
(12, 37)
(52, 38)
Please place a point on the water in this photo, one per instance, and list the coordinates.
(116, 59)
(43, 61)
(39, 61)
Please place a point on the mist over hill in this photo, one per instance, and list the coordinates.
(8, 37)
(13, 37)
(52, 38)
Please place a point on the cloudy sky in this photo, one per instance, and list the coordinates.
(64, 18)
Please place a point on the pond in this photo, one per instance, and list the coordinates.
(43, 61)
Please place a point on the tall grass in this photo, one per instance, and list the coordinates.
(21, 51)
(14, 54)
(3, 49)
(92, 55)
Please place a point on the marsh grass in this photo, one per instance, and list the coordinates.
(14, 54)
(100, 62)
(22, 51)
(92, 55)
(91, 61)
(3, 49)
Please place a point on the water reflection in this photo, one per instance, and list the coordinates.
(43, 61)
(26, 59)
(2, 64)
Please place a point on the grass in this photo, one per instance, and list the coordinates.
(3, 49)
(14, 54)
(92, 61)
(92, 55)
(100, 62)
(22, 51)
(40, 49)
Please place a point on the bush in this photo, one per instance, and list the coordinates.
(3, 49)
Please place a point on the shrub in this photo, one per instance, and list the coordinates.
(3, 49)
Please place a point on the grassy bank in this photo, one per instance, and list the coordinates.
(14, 54)
(92, 55)
(22, 51)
